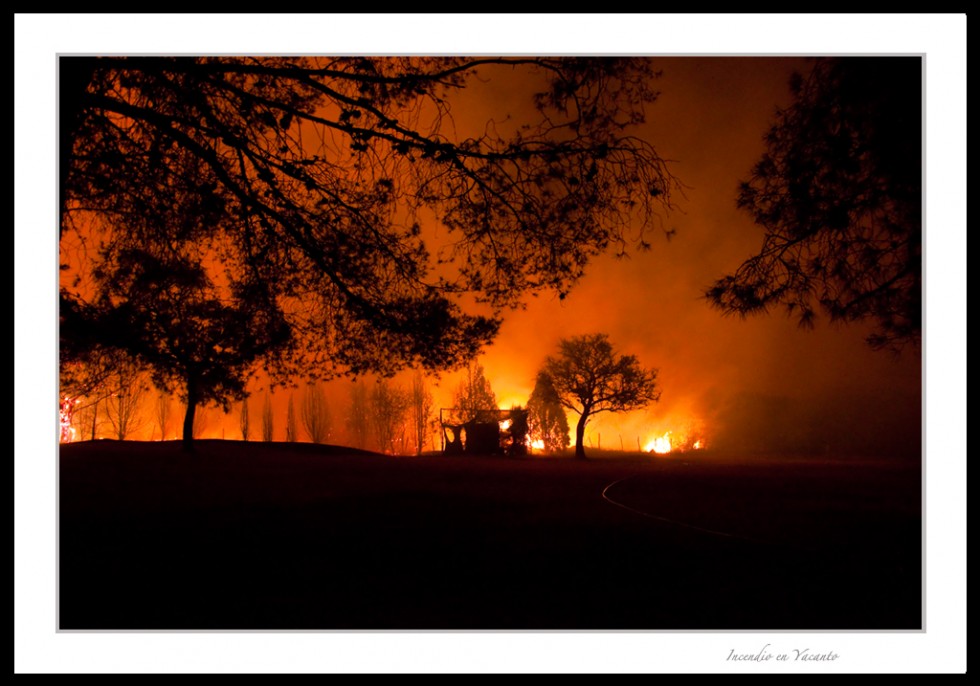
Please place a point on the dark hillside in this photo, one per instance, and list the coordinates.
(295, 536)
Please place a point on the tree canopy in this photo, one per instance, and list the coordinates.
(165, 313)
(839, 194)
(349, 191)
(546, 417)
(474, 394)
(591, 377)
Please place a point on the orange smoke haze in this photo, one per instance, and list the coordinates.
(760, 383)
(756, 384)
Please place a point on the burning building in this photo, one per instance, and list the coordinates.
(484, 432)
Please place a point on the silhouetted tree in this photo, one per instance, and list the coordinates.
(546, 417)
(87, 364)
(123, 408)
(292, 434)
(311, 175)
(85, 361)
(422, 405)
(389, 405)
(197, 340)
(315, 413)
(161, 413)
(90, 367)
(359, 417)
(268, 423)
(590, 377)
(517, 430)
(839, 194)
(87, 417)
(244, 422)
(474, 393)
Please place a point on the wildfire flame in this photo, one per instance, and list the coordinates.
(65, 411)
(659, 445)
(668, 442)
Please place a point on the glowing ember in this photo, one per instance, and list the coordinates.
(697, 445)
(537, 445)
(504, 425)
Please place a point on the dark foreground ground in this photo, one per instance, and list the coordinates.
(295, 536)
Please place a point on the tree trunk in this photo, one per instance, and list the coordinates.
(580, 436)
(74, 76)
(95, 417)
(188, 438)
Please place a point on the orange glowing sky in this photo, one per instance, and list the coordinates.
(710, 119)
(737, 381)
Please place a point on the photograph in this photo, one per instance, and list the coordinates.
(495, 344)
